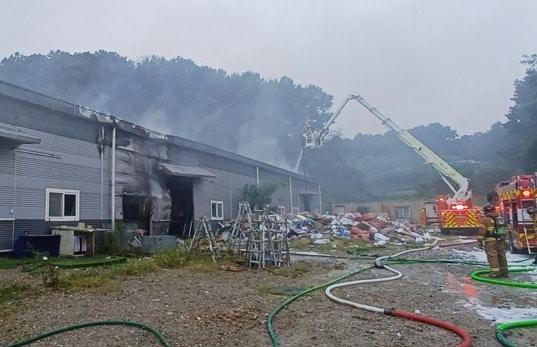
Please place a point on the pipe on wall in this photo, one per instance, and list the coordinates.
(13, 211)
(257, 176)
(230, 198)
(101, 149)
(113, 186)
(291, 193)
(320, 201)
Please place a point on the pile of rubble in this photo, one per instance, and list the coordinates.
(378, 229)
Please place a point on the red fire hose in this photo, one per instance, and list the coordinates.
(466, 338)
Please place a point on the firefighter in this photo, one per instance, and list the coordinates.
(492, 239)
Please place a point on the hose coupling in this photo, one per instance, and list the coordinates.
(379, 264)
(389, 311)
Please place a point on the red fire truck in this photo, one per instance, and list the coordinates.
(458, 215)
(514, 197)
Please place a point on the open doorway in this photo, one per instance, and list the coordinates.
(306, 201)
(182, 211)
(137, 209)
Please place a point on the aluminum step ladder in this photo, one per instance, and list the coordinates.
(239, 232)
(202, 231)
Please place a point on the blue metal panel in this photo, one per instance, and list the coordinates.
(6, 231)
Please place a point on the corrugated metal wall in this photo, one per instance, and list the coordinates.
(57, 162)
(226, 187)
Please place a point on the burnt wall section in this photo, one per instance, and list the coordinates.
(141, 185)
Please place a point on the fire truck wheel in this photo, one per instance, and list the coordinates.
(512, 247)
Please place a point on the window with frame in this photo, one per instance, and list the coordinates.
(217, 210)
(62, 204)
(403, 212)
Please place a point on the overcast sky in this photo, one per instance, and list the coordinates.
(422, 61)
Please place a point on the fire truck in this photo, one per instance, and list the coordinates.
(455, 213)
(515, 198)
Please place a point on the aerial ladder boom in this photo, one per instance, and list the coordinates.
(315, 139)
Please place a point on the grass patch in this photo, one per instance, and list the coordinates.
(102, 277)
(86, 261)
(171, 258)
(358, 247)
(63, 262)
(95, 277)
(10, 296)
(9, 263)
(293, 271)
(133, 267)
(338, 245)
(301, 244)
(343, 245)
(14, 292)
(82, 274)
(201, 265)
(85, 279)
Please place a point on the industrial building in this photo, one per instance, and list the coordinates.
(65, 164)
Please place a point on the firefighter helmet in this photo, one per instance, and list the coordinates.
(489, 208)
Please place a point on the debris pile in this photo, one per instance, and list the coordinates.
(263, 237)
(378, 229)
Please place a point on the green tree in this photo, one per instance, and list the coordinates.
(259, 196)
(522, 120)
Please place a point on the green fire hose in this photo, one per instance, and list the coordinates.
(67, 328)
(501, 328)
(478, 276)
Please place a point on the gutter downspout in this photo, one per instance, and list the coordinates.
(230, 198)
(257, 176)
(13, 211)
(101, 145)
(291, 193)
(113, 186)
(320, 201)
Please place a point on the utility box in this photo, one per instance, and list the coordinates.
(76, 241)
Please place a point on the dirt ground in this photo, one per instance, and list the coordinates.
(223, 308)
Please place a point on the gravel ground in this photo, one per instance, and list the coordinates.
(224, 308)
